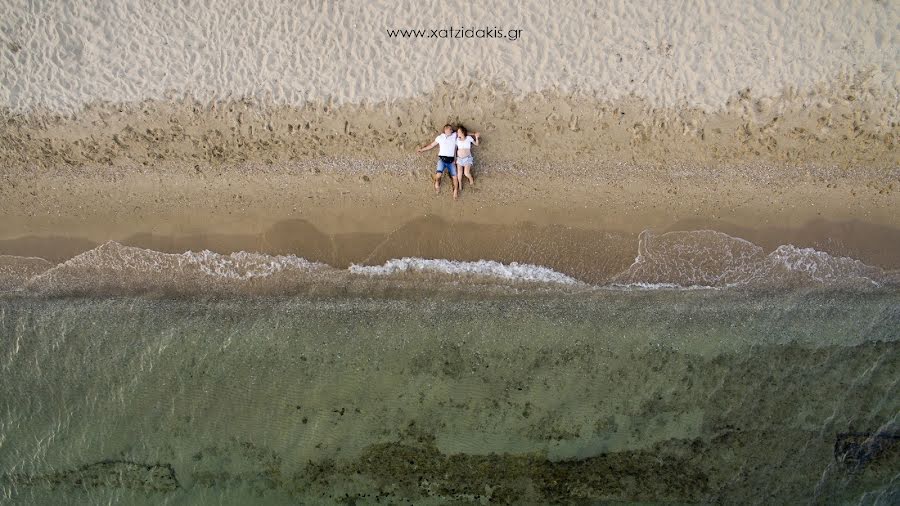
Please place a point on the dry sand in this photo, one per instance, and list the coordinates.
(698, 54)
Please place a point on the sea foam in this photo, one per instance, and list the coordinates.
(113, 267)
(707, 258)
(482, 268)
(685, 260)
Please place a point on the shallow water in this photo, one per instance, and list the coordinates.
(693, 259)
(455, 397)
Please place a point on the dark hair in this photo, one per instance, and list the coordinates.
(465, 132)
(448, 125)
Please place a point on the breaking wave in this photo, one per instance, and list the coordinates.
(482, 268)
(15, 271)
(113, 267)
(700, 259)
(706, 258)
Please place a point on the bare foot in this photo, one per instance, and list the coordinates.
(455, 194)
(437, 187)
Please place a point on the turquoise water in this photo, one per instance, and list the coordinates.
(453, 397)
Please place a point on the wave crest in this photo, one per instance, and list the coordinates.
(673, 260)
(706, 258)
(482, 268)
(115, 267)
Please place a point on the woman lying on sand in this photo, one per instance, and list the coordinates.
(449, 141)
(464, 158)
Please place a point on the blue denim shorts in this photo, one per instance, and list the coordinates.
(448, 166)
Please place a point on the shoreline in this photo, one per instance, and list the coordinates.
(579, 225)
(566, 182)
(814, 168)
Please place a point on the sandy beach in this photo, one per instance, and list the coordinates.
(583, 223)
(342, 185)
(745, 127)
(226, 278)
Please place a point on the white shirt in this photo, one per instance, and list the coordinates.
(447, 143)
(465, 144)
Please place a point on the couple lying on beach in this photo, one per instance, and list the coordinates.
(456, 147)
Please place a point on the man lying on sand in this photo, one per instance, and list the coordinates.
(449, 141)
(446, 155)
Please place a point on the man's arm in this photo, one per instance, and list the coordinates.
(426, 148)
(476, 135)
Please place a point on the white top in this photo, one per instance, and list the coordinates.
(465, 144)
(447, 143)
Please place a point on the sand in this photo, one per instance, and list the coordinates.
(292, 129)
(583, 225)
(847, 127)
(695, 54)
(610, 131)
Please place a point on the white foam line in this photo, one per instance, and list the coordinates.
(786, 262)
(486, 268)
(240, 265)
(660, 286)
(244, 265)
(17, 257)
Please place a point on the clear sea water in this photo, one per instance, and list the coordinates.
(418, 384)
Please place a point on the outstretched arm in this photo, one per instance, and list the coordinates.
(426, 148)
(476, 135)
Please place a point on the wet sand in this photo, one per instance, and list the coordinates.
(563, 180)
(580, 224)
